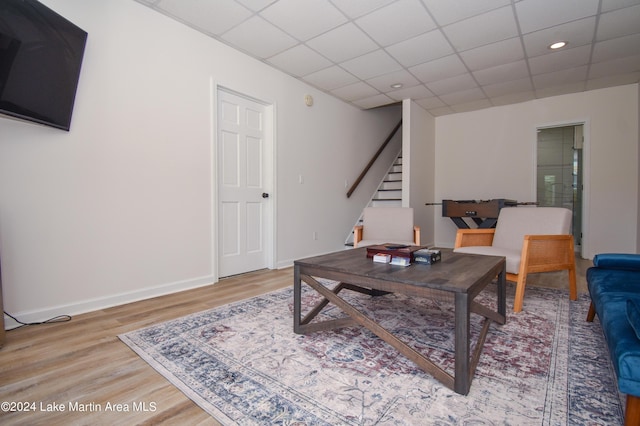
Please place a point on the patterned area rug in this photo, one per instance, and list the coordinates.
(243, 364)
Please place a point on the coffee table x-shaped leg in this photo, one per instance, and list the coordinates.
(466, 360)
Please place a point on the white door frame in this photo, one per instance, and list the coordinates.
(269, 176)
(585, 249)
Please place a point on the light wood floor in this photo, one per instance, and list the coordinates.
(83, 360)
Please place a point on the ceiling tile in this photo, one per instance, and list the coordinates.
(628, 64)
(299, 61)
(452, 84)
(371, 65)
(373, 101)
(416, 92)
(414, 17)
(423, 48)
(356, 8)
(437, 112)
(577, 33)
(555, 61)
(619, 23)
(493, 54)
(271, 41)
(616, 48)
(433, 102)
(608, 5)
(331, 78)
(506, 87)
(304, 19)
(439, 69)
(505, 72)
(447, 12)
(613, 80)
(497, 25)
(535, 15)
(471, 105)
(256, 5)
(342, 43)
(383, 83)
(463, 96)
(513, 98)
(563, 89)
(210, 17)
(352, 92)
(560, 78)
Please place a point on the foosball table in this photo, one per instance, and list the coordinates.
(483, 212)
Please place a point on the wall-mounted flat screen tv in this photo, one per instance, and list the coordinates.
(40, 58)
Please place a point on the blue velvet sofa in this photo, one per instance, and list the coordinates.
(614, 287)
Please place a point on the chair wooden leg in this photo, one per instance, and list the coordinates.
(632, 411)
(573, 287)
(519, 297)
(592, 312)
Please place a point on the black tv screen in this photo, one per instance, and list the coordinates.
(40, 58)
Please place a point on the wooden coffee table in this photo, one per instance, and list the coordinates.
(462, 276)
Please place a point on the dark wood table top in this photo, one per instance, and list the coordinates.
(455, 273)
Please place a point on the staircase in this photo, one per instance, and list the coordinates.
(388, 194)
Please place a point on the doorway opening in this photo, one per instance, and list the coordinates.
(560, 172)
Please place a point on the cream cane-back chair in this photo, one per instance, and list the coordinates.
(382, 225)
(533, 239)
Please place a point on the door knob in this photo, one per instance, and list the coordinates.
(265, 195)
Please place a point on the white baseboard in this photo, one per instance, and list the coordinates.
(90, 305)
(284, 264)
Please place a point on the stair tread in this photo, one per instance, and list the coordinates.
(393, 179)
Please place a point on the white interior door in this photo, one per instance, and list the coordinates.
(243, 188)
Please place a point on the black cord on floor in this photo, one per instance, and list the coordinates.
(59, 318)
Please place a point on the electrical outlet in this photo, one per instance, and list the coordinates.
(315, 235)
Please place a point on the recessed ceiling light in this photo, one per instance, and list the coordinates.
(396, 85)
(558, 45)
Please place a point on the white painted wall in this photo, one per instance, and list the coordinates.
(491, 154)
(121, 208)
(418, 154)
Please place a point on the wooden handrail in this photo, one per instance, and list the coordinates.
(373, 160)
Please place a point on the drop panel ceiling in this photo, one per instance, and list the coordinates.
(448, 56)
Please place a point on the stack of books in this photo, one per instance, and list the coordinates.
(402, 254)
